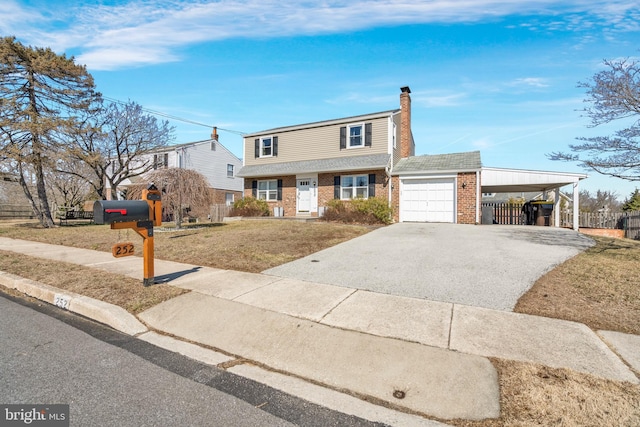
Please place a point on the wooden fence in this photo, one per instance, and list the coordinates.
(218, 212)
(16, 212)
(511, 214)
(506, 213)
(627, 221)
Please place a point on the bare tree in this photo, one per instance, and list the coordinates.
(116, 144)
(68, 189)
(613, 94)
(182, 190)
(601, 200)
(41, 94)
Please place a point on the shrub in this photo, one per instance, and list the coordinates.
(361, 211)
(250, 206)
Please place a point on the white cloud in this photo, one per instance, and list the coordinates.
(138, 32)
(536, 82)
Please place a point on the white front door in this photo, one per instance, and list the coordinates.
(304, 195)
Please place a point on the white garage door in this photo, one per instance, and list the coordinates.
(427, 200)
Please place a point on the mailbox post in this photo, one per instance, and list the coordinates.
(139, 215)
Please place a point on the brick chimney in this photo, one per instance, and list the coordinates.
(407, 148)
(214, 133)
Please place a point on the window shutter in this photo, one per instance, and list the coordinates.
(166, 160)
(368, 129)
(343, 138)
(279, 197)
(336, 187)
(275, 147)
(257, 147)
(254, 189)
(372, 185)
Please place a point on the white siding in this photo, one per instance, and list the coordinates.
(212, 164)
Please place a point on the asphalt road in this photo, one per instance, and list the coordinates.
(487, 266)
(50, 356)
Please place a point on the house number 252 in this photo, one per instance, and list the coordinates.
(122, 249)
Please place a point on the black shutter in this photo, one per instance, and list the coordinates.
(257, 147)
(372, 185)
(275, 147)
(336, 187)
(254, 189)
(343, 138)
(279, 197)
(368, 128)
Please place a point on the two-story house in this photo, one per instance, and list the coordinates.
(298, 169)
(208, 157)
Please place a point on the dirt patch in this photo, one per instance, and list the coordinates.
(535, 395)
(115, 289)
(599, 287)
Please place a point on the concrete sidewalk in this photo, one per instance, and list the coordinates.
(414, 355)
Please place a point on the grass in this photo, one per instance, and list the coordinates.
(598, 287)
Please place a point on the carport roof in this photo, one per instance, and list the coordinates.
(497, 180)
(455, 162)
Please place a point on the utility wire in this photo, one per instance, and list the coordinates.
(172, 117)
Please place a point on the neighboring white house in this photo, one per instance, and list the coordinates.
(209, 157)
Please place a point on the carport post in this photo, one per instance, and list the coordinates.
(576, 206)
(556, 208)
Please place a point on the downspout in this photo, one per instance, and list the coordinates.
(478, 196)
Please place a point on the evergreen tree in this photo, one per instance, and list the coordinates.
(633, 202)
(41, 96)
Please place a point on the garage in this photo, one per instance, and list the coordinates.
(427, 200)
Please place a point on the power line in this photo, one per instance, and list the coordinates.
(180, 119)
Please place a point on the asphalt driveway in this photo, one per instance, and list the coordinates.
(480, 265)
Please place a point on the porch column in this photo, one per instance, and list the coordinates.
(576, 206)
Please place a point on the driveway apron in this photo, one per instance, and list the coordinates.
(487, 266)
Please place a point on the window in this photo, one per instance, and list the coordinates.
(355, 136)
(267, 146)
(228, 199)
(354, 187)
(268, 190)
(230, 170)
(161, 161)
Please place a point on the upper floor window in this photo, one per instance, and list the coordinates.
(356, 135)
(229, 170)
(161, 161)
(267, 146)
(266, 149)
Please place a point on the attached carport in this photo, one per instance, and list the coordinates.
(498, 180)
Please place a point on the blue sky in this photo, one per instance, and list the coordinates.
(499, 76)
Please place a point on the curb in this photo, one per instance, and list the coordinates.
(100, 311)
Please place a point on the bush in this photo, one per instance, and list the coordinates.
(250, 206)
(360, 211)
